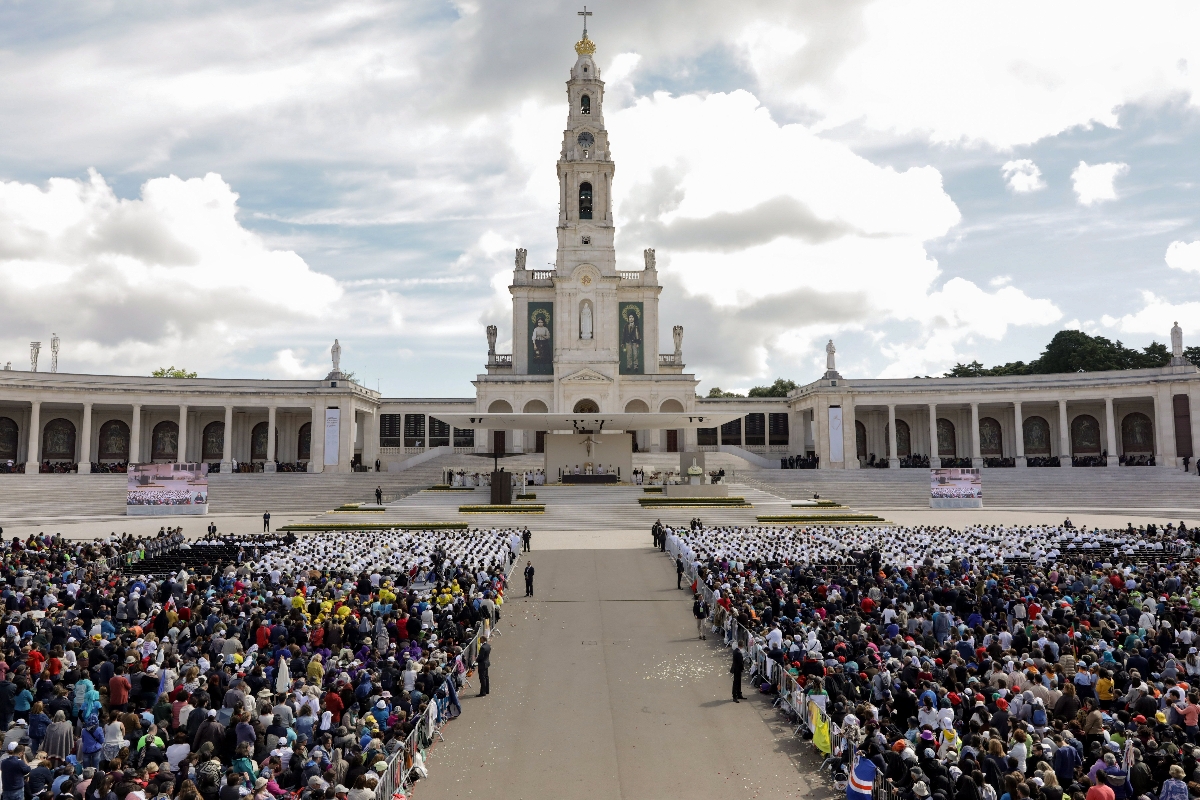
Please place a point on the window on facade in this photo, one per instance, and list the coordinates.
(756, 429)
(439, 433)
(731, 432)
(390, 434)
(777, 429)
(414, 430)
(585, 201)
(585, 105)
(706, 437)
(464, 437)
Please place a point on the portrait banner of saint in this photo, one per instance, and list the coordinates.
(630, 324)
(541, 339)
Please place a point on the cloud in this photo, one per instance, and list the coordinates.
(1094, 183)
(728, 231)
(170, 275)
(1156, 316)
(1023, 176)
(1184, 256)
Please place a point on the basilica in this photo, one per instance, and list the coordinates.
(588, 347)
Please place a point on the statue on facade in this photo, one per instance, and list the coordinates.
(336, 352)
(585, 320)
(648, 254)
(491, 339)
(520, 260)
(677, 335)
(1177, 358)
(830, 350)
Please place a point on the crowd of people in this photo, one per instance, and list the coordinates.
(996, 662)
(299, 674)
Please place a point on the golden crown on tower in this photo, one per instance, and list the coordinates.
(585, 46)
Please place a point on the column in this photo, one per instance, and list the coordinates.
(976, 455)
(348, 430)
(1064, 435)
(893, 455)
(1019, 435)
(935, 461)
(1110, 427)
(849, 435)
(1164, 426)
(227, 442)
(135, 436)
(316, 446)
(85, 446)
(33, 461)
(371, 439)
(269, 464)
(1194, 402)
(181, 449)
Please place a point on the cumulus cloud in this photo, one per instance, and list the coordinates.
(1095, 183)
(167, 276)
(1184, 256)
(1022, 176)
(1156, 317)
(837, 245)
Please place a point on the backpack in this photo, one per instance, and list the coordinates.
(1039, 717)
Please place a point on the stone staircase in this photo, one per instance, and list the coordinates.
(49, 497)
(568, 508)
(1077, 488)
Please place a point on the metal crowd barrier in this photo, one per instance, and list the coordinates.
(401, 764)
(790, 697)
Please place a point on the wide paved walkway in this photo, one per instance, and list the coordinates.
(601, 690)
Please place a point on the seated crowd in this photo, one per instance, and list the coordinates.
(1039, 662)
(296, 674)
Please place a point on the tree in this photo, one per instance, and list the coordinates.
(1074, 351)
(717, 391)
(172, 372)
(780, 388)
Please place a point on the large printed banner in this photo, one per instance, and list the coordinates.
(166, 489)
(333, 431)
(632, 354)
(955, 488)
(541, 339)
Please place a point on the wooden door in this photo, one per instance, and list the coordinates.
(673, 441)
(498, 442)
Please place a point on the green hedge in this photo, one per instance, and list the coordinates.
(715, 502)
(516, 508)
(818, 519)
(375, 526)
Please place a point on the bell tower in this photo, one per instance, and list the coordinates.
(585, 171)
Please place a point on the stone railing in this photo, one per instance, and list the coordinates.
(635, 275)
(670, 360)
(542, 274)
(500, 360)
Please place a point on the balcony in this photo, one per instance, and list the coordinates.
(670, 362)
(635, 275)
(499, 361)
(542, 274)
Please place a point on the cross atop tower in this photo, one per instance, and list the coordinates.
(585, 14)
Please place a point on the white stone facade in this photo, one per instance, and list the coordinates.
(582, 362)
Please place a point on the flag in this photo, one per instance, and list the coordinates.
(862, 780)
(820, 729)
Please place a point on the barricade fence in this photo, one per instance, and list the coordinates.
(407, 760)
(806, 712)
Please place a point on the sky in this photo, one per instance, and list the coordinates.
(226, 187)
